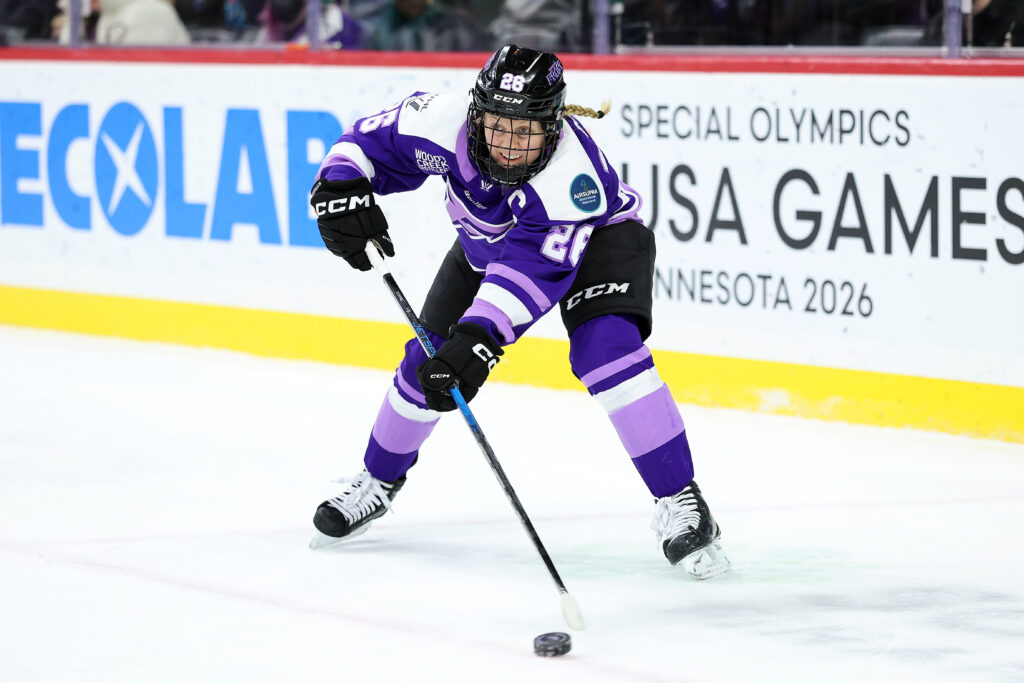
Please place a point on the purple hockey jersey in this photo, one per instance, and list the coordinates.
(528, 242)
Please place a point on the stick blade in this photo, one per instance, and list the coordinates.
(571, 612)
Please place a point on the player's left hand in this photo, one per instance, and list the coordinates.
(464, 361)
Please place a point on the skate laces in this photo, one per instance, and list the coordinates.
(676, 514)
(364, 495)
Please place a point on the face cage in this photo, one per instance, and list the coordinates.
(509, 176)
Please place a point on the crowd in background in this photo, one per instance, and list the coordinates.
(483, 25)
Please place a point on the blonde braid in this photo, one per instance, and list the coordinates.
(577, 110)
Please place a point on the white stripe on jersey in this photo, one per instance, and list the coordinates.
(634, 388)
(355, 153)
(508, 302)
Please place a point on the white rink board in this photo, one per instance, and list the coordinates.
(722, 258)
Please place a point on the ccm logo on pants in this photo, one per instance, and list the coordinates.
(596, 291)
(342, 204)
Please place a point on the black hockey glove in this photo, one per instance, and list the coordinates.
(348, 217)
(463, 361)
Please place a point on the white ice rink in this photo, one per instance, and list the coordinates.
(155, 507)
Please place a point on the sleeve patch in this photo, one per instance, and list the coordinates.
(585, 193)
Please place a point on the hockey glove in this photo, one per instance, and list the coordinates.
(348, 217)
(463, 361)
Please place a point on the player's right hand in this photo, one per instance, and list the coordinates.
(348, 218)
(464, 361)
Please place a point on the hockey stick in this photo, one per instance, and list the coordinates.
(570, 610)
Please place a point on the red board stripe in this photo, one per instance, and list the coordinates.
(781, 64)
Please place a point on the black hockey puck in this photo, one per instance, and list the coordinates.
(552, 644)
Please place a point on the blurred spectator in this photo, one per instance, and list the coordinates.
(695, 22)
(26, 19)
(140, 22)
(201, 13)
(426, 25)
(219, 19)
(847, 22)
(772, 22)
(997, 23)
(549, 25)
(484, 11)
(61, 24)
(285, 21)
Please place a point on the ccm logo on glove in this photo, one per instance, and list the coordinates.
(348, 219)
(343, 204)
(464, 361)
(484, 354)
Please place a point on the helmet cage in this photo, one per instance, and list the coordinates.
(516, 84)
(509, 173)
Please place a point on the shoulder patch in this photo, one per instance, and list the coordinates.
(420, 102)
(585, 194)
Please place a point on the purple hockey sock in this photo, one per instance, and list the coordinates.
(611, 360)
(403, 423)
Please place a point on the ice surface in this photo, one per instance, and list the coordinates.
(155, 507)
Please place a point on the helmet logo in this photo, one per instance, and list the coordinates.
(554, 72)
(513, 82)
(505, 98)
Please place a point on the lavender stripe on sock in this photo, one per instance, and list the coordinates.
(648, 422)
(409, 390)
(609, 369)
(405, 377)
(621, 376)
(399, 434)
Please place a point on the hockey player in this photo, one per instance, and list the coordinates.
(543, 221)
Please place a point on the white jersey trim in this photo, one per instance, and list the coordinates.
(356, 154)
(505, 300)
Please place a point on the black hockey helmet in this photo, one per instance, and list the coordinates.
(522, 84)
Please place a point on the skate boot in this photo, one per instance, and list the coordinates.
(348, 515)
(689, 534)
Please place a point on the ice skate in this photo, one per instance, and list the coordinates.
(689, 534)
(349, 515)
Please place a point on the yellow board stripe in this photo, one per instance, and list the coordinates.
(984, 410)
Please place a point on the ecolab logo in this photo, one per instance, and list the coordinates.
(126, 170)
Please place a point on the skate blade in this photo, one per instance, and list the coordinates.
(707, 562)
(321, 541)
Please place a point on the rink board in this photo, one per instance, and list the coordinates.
(983, 410)
(834, 240)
